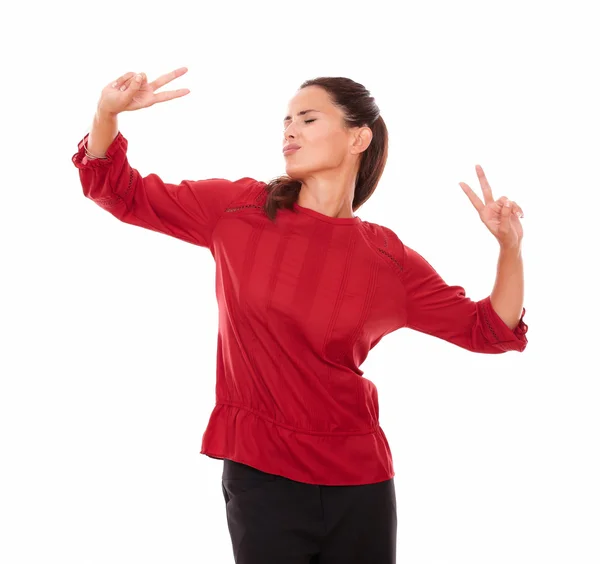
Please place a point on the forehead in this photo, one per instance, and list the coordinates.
(307, 98)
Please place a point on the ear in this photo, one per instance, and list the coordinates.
(361, 141)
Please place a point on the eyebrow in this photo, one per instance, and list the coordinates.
(300, 114)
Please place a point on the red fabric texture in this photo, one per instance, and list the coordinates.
(301, 302)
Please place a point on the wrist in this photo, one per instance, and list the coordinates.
(510, 253)
(105, 115)
(511, 249)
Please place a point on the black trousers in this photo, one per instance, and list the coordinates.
(275, 520)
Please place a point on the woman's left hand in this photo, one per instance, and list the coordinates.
(500, 216)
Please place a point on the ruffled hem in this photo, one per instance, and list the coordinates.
(239, 434)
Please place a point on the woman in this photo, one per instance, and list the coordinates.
(305, 289)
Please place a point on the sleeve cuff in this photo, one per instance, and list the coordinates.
(501, 334)
(80, 159)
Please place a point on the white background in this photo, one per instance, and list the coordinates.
(109, 330)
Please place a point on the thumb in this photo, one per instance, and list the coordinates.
(505, 217)
(135, 83)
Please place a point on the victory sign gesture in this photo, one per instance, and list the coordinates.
(500, 216)
(132, 92)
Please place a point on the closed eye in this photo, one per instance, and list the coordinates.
(305, 121)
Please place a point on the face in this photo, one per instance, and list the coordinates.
(325, 144)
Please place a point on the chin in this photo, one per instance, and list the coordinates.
(296, 172)
(293, 172)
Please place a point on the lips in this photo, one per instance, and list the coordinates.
(291, 147)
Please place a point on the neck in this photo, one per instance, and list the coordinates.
(328, 195)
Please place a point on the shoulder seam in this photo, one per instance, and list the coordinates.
(383, 252)
(241, 196)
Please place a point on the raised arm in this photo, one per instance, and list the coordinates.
(493, 324)
(444, 311)
(188, 210)
(105, 127)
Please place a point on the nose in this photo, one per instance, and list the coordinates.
(288, 132)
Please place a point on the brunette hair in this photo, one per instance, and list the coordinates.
(360, 110)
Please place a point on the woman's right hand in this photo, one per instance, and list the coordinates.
(126, 94)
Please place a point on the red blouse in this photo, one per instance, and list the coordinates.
(301, 303)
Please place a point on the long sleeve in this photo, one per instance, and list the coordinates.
(444, 311)
(188, 211)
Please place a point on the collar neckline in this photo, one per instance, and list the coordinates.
(335, 220)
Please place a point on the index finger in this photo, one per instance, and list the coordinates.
(166, 78)
(485, 186)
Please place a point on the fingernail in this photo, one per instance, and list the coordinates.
(138, 78)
